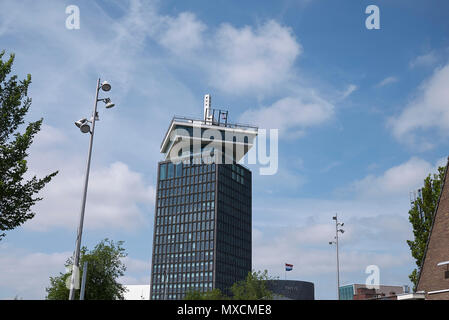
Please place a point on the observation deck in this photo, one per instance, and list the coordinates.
(215, 136)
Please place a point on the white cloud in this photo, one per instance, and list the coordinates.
(425, 60)
(118, 197)
(137, 272)
(292, 114)
(182, 34)
(234, 60)
(428, 110)
(50, 136)
(252, 59)
(387, 81)
(258, 60)
(284, 176)
(314, 261)
(136, 265)
(398, 180)
(27, 275)
(331, 166)
(298, 231)
(351, 88)
(237, 60)
(374, 211)
(115, 197)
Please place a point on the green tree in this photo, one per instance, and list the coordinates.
(104, 268)
(214, 294)
(16, 195)
(421, 217)
(254, 287)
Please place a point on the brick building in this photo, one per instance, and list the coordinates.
(434, 276)
(362, 292)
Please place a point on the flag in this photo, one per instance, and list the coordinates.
(288, 267)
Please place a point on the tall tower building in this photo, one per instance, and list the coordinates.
(202, 224)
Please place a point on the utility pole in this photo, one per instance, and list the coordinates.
(337, 230)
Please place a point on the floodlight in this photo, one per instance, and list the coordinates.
(105, 86)
(83, 124)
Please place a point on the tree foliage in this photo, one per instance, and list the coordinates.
(214, 294)
(421, 217)
(16, 195)
(254, 287)
(104, 268)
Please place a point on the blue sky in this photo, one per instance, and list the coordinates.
(362, 118)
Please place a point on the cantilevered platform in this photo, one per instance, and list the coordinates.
(189, 137)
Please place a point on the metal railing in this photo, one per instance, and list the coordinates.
(214, 123)
(209, 123)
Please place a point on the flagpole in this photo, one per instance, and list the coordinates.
(285, 271)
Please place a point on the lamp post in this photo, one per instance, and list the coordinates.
(337, 230)
(84, 126)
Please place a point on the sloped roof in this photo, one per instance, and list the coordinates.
(443, 187)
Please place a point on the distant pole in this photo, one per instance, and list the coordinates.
(338, 261)
(337, 230)
(83, 281)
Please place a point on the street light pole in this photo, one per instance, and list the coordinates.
(338, 261)
(83, 123)
(337, 230)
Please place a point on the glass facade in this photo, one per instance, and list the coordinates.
(202, 228)
(233, 243)
(346, 292)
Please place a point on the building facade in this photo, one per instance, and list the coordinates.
(363, 292)
(291, 289)
(202, 224)
(433, 279)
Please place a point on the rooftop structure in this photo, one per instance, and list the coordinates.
(213, 135)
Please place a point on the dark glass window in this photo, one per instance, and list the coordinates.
(179, 170)
(170, 170)
(163, 172)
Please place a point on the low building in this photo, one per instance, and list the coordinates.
(137, 292)
(291, 289)
(412, 296)
(363, 292)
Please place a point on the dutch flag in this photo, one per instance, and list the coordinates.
(288, 267)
